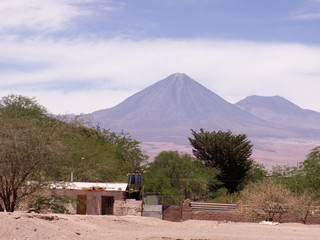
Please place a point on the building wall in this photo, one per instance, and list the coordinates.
(93, 199)
(171, 213)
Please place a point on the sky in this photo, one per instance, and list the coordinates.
(80, 56)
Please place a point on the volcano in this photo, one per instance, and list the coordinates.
(166, 111)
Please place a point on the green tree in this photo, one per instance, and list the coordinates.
(94, 154)
(256, 173)
(291, 177)
(309, 171)
(36, 148)
(28, 141)
(129, 156)
(227, 152)
(305, 177)
(87, 157)
(175, 175)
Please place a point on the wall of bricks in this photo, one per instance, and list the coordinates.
(171, 213)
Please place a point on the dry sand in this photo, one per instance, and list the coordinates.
(25, 226)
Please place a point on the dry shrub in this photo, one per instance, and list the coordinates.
(267, 201)
(303, 206)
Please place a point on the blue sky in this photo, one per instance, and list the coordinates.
(79, 56)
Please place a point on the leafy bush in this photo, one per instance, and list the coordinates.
(56, 204)
(222, 195)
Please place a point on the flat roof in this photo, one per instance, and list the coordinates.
(89, 185)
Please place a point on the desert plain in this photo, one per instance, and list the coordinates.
(26, 226)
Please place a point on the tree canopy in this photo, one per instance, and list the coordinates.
(225, 151)
(94, 154)
(179, 175)
(302, 179)
(28, 141)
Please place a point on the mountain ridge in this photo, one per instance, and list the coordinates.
(280, 110)
(169, 108)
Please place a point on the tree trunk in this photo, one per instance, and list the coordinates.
(13, 201)
(7, 202)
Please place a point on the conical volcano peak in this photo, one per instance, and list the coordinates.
(175, 101)
(178, 82)
(178, 77)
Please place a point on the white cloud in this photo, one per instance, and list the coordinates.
(309, 11)
(47, 15)
(37, 15)
(59, 102)
(232, 69)
(308, 16)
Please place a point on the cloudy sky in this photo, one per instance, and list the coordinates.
(79, 56)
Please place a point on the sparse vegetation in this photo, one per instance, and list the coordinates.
(36, 148)
(270, 200)
(303, 205)
(267, 201)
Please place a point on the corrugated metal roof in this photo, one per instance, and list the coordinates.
(90, 185)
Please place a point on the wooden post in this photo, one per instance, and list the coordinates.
(181, 204)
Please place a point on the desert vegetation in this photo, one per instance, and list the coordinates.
(36, 148)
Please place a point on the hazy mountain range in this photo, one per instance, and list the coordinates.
(166, 111)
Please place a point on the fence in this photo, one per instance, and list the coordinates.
(220, 207)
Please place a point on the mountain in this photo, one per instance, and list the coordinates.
(168, 109)
(279, 110)
(161, 116)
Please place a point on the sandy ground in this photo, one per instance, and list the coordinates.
(24, 226)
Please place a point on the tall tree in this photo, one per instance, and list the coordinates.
(28, 141)
(227, 152)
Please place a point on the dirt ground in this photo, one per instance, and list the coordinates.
(25, 226)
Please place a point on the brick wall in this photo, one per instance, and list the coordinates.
(171, 213)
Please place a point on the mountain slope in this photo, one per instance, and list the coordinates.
(161, 116)
(169, 102)
(168, 109)
(278, 110)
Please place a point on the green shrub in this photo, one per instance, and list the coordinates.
(56, 204)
